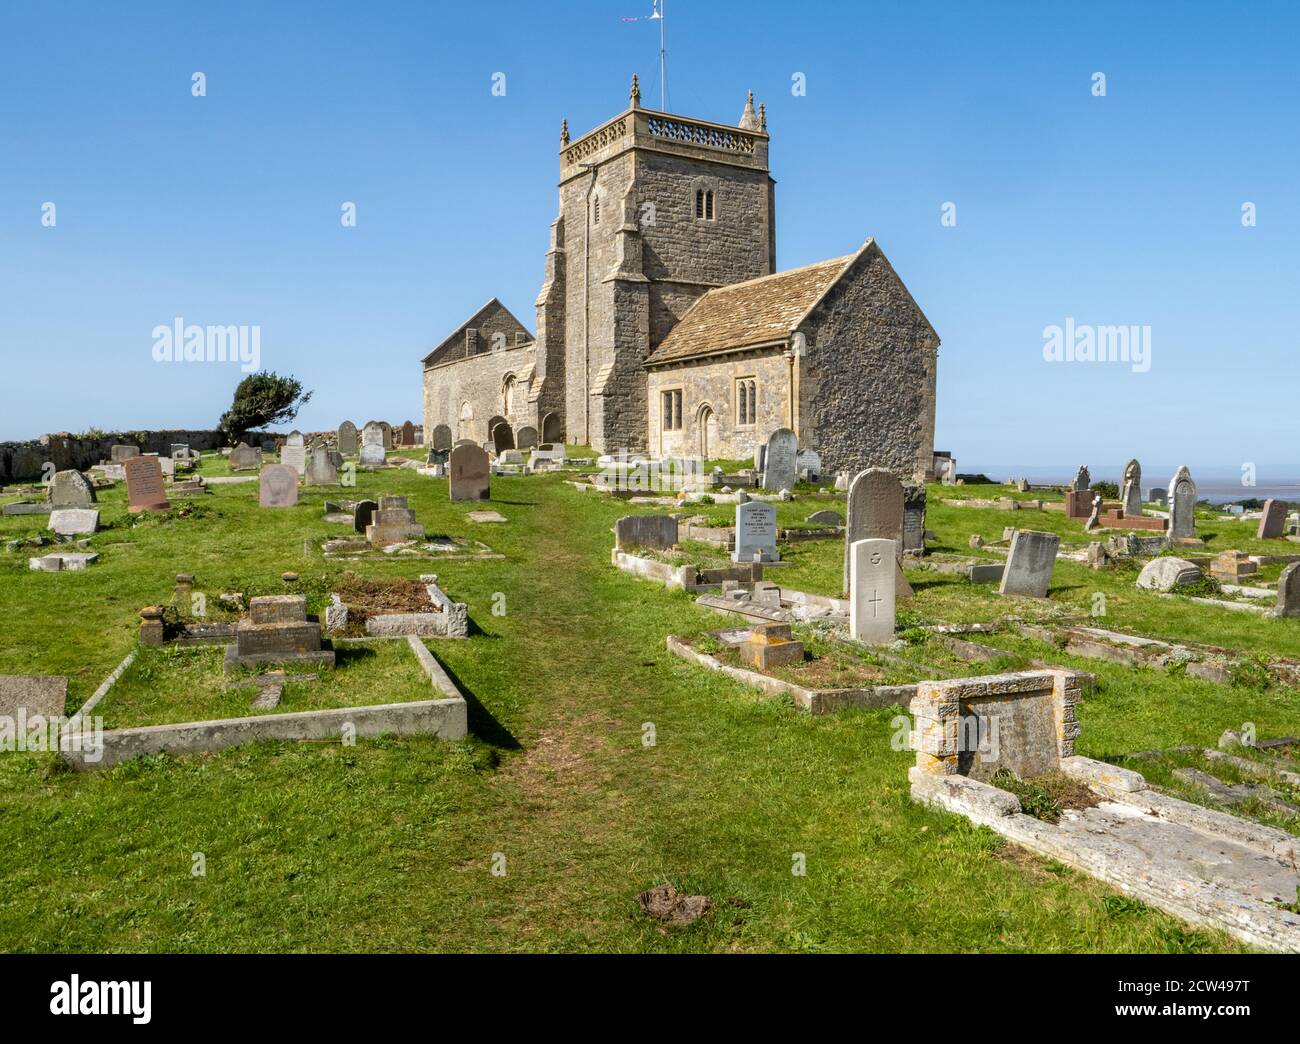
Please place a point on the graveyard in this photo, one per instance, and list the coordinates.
(612, 690)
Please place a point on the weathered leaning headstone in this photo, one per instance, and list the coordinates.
(779, 471)
(469, 473)
(1131, 491)
(372, 444)
(1030, 563)
(755, 533)
(68, 522)
(872, 607)
(245, 458)
(1182, 504)
(652, 532)
(71, 489)
(145, 490)
(1272, 524)
(278, 486)
(875, 511)
(321, 469)
(1288, 591)
(347, 439)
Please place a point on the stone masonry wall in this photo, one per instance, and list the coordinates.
(867, 384)
(477, 380)
(25, 461)
(712, 382)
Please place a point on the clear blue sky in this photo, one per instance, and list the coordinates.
(1123, 209)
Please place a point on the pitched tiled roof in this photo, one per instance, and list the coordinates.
(758, 311)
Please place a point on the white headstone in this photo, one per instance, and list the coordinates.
(872, 564)
(755, 533)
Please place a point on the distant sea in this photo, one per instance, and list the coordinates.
(1218, 485)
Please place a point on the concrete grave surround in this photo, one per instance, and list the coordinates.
(1182, 504)
(277, 630)
(245, 458)
(875, 511)
(277, 486)
(1288, 591)
(755, 533)
(1131, 490)
(347, 439)
(145, 489)
(71, 489)
(779, 468)
(469, 473)
(1272, 524)
(1030, 563)
(652, 532)
(321, 469)
(74, 521)
(1202, 865)
(872, 565)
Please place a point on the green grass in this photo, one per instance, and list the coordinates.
(389, 845)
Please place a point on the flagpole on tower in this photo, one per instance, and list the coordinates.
(658, 12)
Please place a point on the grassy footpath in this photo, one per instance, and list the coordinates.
(390, 845)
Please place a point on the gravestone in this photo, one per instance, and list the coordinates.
(872, 564)
(393, 523)
(347, 439)
(825, 518)
(278, 486)
(526, 438)
(1030, 563)
(442, 437)
(1182, 504)
(652, 532)
(1131, 491)
(808, 465)
(470, 473)
(372, 444)
(245, 458)
(120, 454)
(145, 490)
(277, 630)
(1167, 573)
(1272, 523)
(71, 489)
(1158, 496)
(512, 457)
(1078, 503)
(408, 434)
(1082, 479)
(321, 469)
(387, 430)
(363, 514)
(779, 470)
(294, 453)
(875, 511)
(68, 522)
(167, 464)
(1094, 516)
(914, 517)
(755, 533)
(1288, 591)
(28, 701)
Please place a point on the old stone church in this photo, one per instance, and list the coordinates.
(663, 327)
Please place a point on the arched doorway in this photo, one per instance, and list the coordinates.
(707, 424)
(465, 425)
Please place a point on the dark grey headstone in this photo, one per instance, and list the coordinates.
(441, 437)
(1288, 591)
(875, 511)
(779, 470)
(470, 473)
(825, 518)
(526, 438)
(347, 439)
(1131, 490)
(653, 532)
(245, 458)
(1182, 504)
(363, 513)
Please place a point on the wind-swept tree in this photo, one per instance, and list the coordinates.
(262, 399)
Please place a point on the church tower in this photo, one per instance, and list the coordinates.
(655, 210)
